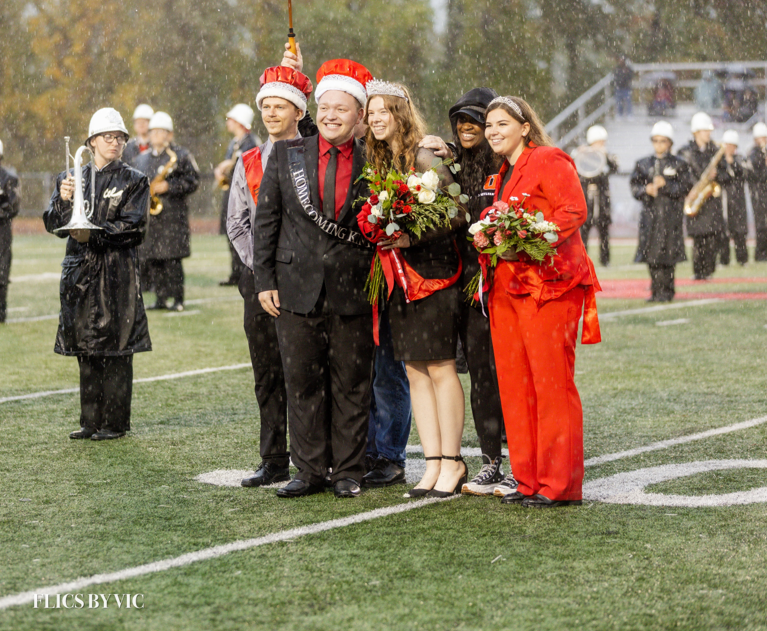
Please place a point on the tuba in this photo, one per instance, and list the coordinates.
(155, 204)
(704, 188)
(80, 217)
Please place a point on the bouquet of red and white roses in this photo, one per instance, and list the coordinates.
(507, 227)
(414, 203)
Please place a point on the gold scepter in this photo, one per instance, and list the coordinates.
(291, 34)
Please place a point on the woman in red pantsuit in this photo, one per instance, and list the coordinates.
(534, 313)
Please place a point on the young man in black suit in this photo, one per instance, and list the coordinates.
(310, 264)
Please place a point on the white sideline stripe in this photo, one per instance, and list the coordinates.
(214, 552)
(178, 375)
(235, 546)
(675, 441)
(181, 314)
(675, 305)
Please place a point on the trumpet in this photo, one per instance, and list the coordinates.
(80, 217)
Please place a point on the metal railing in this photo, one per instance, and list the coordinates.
(598, 102)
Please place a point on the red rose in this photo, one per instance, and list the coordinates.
(403, 188)
(407, 210)
(373, 199)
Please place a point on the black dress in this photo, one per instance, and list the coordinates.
(427, 329)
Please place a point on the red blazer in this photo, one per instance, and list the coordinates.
(549, 177)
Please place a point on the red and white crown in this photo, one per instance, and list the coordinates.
(287, 84)
(344, 75)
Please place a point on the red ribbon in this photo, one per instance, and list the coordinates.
(397, 272)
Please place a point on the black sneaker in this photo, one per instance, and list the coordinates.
(509, 485)
(487, 480)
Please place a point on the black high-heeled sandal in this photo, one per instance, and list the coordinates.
(414, 492)
(461, 482)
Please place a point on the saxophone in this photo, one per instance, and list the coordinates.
(705, 187)
(155, 204)
(224, 181)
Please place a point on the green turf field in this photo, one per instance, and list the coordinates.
(75, 509)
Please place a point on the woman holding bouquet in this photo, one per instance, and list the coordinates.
(534, 312)
(424, 304)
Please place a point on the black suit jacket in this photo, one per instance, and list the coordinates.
(292, 255)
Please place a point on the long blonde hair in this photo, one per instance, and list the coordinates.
(410, 130)
(537, 133)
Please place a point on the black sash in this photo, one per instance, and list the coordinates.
(297, 166)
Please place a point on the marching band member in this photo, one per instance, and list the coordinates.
(282, 100)
(174, 176)
(660, 182)
(9, 208)
(534, 313)
(758, 186)
(239, 121)
(734, 200)
(596, 188)
(140, 142)
(707, 226)
(310, 265)
(102, 320)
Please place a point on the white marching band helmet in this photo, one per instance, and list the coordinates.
(143, 111)
(663, 128)
(243, 114)
(595, 133)
(760, 130)
(104, 120)
(730, 137)
(701, 122)
(161, 120)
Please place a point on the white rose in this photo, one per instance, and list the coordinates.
(476, 227)
(430, 180)
(412, 182)
(426, 196)
(377, 210)
(383, 196)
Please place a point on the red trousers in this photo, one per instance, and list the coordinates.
(535, 360)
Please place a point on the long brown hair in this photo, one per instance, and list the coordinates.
(410, 130)
(537, 133)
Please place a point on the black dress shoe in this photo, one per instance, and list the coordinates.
(107, 434)
(513, 498)
(228, 282)
(541, 501)
(385, 473)
(347, 488)
(159, 304)
(299, 488)
(267, 473)
(177, 305)
(83, 432)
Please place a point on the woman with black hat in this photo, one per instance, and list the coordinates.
(479, 166)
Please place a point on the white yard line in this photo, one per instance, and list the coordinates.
(212, 553)
(673, 322)
(53, 316)
(236, 546)
(178, 314)
(673, 305)
(178, 375)
(27, 278)
(663, 444)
